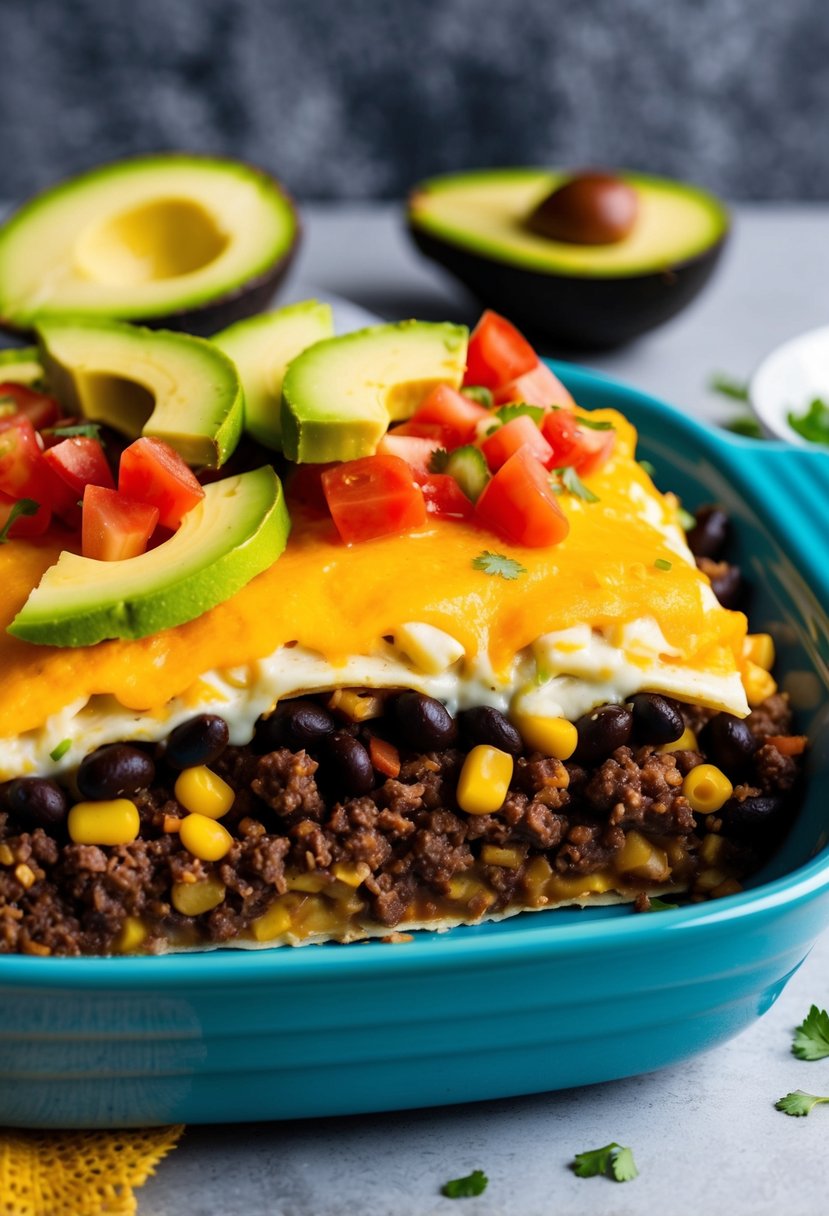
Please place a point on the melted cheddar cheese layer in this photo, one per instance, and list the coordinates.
(339, 602)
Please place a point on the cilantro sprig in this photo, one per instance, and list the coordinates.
(613, 1161)
(90, 429)
(566, 479)
(23, 506)
(466, 1187)
(519, 409)
(798, 1103)
(595, 424)
(57, 753)
(498, 564)
(811, 1038)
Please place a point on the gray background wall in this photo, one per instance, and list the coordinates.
(360, 98)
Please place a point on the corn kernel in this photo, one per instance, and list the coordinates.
(759, 649)
(758, 683)
(711, 849)
(203, 792)
(707, 789)
(687, 742)
(205, 838)
(317, 915)
(554, 737)
(133, 933)
(464, 886)
(310, 882)
(642, 859)
(351, 874)
(192, 899)
(272, 924)
(564, 887)
(510, 859)
(535, 879)
(484, 780)
(25, 875)
(710, 879)
(111, 822)
(6, 855)
(355, 704)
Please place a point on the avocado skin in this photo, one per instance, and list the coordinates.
(577, 312)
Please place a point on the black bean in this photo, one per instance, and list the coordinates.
(656, 719)
(200, 740)
(601, 732)
(728, 741)
(423, 724)
(114, 770)
(751, 817)
(486, 725)
(728, 586)
(296, 724)
(346, 765)
(709, 535)
(36, 802)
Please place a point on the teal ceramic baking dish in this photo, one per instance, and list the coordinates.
(541, 1001)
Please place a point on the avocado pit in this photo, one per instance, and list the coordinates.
(590, 209)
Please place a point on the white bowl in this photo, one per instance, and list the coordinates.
(788, 379)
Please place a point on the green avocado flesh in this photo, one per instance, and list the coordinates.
(147, 382)
(340, 395)
(262, 347)
(484, 212)
(142, 239)
(21, 365)
(238, 530)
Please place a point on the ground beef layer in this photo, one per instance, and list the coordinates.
(306, 866)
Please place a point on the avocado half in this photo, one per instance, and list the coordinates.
(188, 242)
(589, 296)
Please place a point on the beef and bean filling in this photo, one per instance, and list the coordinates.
(365, 808)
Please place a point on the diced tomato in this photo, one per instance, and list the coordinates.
(373, 496)
(415, 451)
(443, 496)
(454, 413)
(497, 352)
(115, 527)
(20, 456)
(152, 472)
(304, 486)
(539, 386)
(519, 503)
(442, 435)
(24, 525)
(580, 446)
(519, 432)
(37, 407)
(80, 462)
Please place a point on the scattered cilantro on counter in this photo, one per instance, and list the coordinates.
(798, 1103)
(497, 563)
(811, 1038)
(23, 506)
(813, 423)
(569, 480)
(662, 563)
(726, 386)
(57, 753)
(465, 1188)
(614, 1161)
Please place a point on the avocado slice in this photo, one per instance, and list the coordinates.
(339, 396)
(476, 225)
(262, 347)
(21, 365)
(147, 382)
(238, 530)
(191, 242)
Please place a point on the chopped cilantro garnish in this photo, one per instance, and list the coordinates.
(662, 563)
(497, 563)
(685, 519)
(798, 1103)
(479, 393)
(811, 1039)
(519, 409)
(23, 506)
(594, 424)
(542, 676)
(647, 467)
(569, 480)
(747, 426)
(90, 429)
(726, 386)
(659, 905)
(614, 1161)
(437, 461)
(57, 753)
(465, 1188)
(813, 424)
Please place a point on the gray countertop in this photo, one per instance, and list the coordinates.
(705, 1133)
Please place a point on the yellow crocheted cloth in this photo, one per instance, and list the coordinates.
(78, 1173)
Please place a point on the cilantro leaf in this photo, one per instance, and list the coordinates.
(437, 461)
(685, 519)
(726, 386)
(811, 1038)
(519, 409)
(659, 905)
(813, 423)
(57, 753)
(594, 424)
(662, 563)
(90, 429)
(465, 1188)
(798, 1103)
(647, 467)
(479, 393)
(614, 1161)
(573, 484)
(23, 506)
(497, 563)
(747, 426)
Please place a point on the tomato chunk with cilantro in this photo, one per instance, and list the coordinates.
(417, 452)
(373, 496)
(497, 352)
(114, 527)
(40, 409)
(152, 472)
(21, 460)
(16, 525)
(538, 386)
(456, 415)
(585, 448)
(519, 503)
(505, 442)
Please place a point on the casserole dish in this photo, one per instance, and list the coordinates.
(528, 1004)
